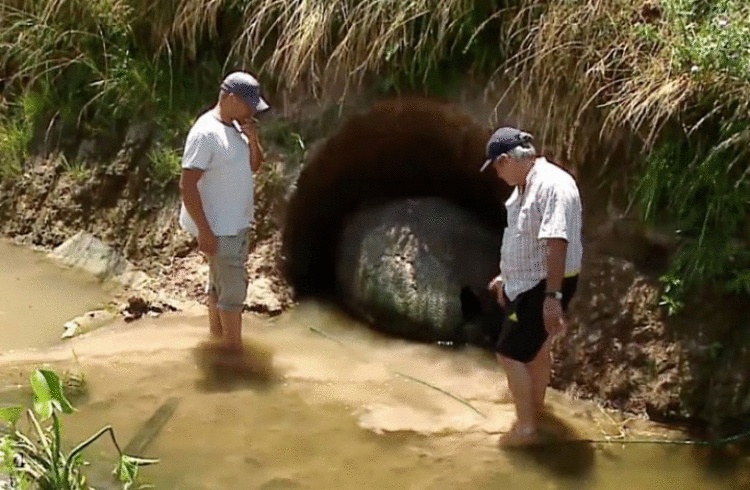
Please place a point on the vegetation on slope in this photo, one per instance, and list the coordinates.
(674, 72)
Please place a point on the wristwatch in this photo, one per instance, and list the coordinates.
(554, 294)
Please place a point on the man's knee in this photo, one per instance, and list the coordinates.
(228, 275)
(230, 286)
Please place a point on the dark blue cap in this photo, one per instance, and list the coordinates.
(247, 88)
(502, 141)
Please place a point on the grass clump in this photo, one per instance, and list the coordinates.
(312, 45)
(97, 66)
(17, 123)
(166, 163)
(15, 137)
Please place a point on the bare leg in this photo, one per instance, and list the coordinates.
(520, 385)
(214, 320)
(540, 370)
(231, 322)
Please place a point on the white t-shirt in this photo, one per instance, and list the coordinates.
(550, 207)
(226, 187)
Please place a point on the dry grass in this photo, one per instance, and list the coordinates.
(317, 42)
(299, 43)
(630, 58)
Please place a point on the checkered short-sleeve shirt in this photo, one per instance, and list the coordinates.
(549, 207)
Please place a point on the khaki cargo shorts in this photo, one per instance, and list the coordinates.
(227, 277)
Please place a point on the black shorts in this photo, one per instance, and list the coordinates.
(523, 333)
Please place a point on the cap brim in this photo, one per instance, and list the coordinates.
(486, 164)
(262, 105)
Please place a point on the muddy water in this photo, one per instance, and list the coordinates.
(37, 297)
(347, 410)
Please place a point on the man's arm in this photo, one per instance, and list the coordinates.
(250, 130)
(557, 208)
(256, 153)
(192, 198)
(196, 159)
(556, 251)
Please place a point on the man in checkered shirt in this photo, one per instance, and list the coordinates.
(540, 261)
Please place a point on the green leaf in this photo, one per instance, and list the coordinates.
(139, 461)
(48, 394)
(43, 409)
(10, 415)
(126, 470)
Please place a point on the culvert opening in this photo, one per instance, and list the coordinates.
(400, 148)
(471, 307)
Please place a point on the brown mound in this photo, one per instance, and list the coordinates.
(401, 148)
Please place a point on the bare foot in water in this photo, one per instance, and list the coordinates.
(248, 359)
(519, 436)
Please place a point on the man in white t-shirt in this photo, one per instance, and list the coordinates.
(221, 154)
(539, 266)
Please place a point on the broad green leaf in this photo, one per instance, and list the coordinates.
(43, 409)
(48, 394)
(42, 392)
(10, 415)
(56, 389)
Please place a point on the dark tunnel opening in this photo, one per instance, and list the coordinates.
(400, 148)
(471, 307)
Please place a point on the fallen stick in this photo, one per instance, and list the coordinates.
(151, 428)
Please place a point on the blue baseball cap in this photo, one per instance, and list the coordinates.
(247, 88)
(502, 141)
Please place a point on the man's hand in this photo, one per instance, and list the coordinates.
(496, 286)
(207, 243)
(554, 320)
(249, 128)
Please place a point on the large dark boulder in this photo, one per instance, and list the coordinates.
(418, 269)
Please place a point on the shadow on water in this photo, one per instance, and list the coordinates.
(722, 461)
(555, 453)
(224, 371)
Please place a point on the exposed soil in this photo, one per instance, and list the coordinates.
(624, 350)
(120, 204)
(268, 292)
